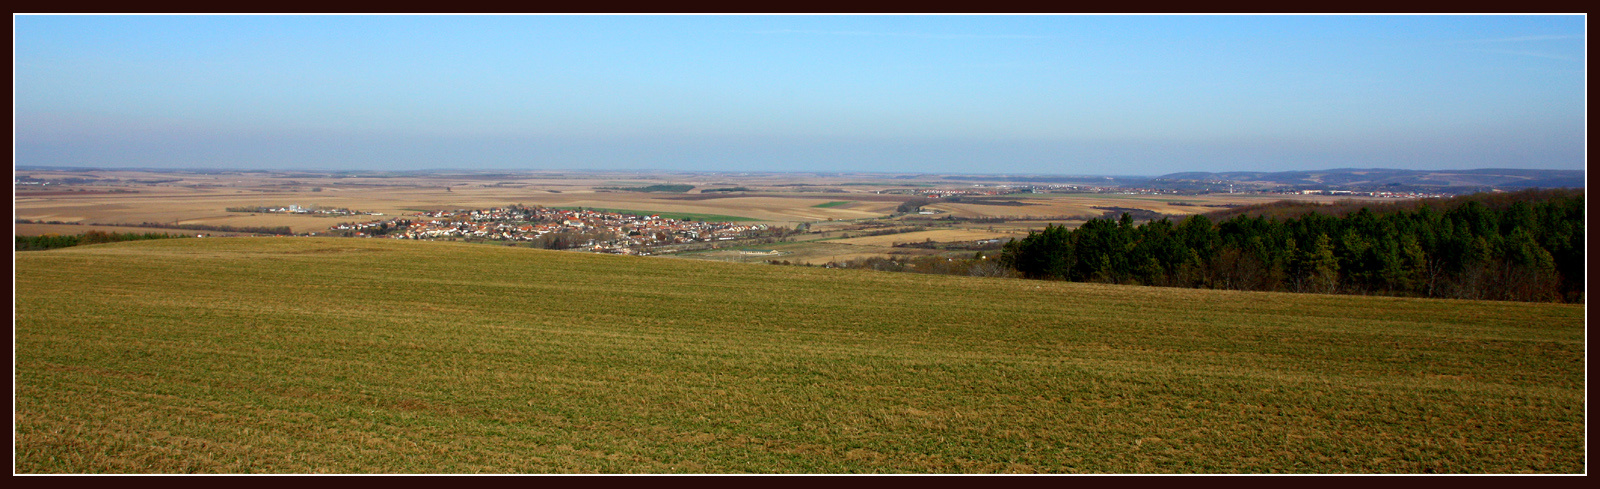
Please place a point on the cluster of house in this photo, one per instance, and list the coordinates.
(988, 190)
(1095, 189)
(1360, 193)
(942, 193)
(979, 190)
(600, 231)
(296, 209)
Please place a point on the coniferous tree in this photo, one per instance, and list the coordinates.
(1323, 266)
(1522, 246)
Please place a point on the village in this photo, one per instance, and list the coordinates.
(592, 230)
(297, 209)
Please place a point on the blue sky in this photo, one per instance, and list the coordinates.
(1114, 95)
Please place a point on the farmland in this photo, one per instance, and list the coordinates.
(943, 235)
(307, 355)
(132, 197)
(835, 208)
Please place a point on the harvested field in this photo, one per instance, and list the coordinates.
(207, 205)
(806, 253)
(202, 198)
(781, 210)
(941, 235)
(824, 197)
(1085, 205)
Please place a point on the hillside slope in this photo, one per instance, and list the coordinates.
(328, 355)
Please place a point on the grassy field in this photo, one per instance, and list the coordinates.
(310, 355)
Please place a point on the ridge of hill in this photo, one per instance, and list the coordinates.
(1382, 178)
(304, 355)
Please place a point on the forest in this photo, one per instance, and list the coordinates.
(1519, 246)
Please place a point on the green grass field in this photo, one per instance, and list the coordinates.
(835, 203)
(311, 355)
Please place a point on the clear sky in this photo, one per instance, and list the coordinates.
(1112, 95)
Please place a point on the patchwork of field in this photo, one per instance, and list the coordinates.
(805, 253)
(205, 206)
(941, 235)
(202, 198)
(314, 355)
(1085, 206)
(788, 210)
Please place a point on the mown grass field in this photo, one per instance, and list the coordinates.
(311, 355)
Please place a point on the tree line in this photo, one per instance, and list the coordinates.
(977, 266)
(278, 230)
(36, 243)
(1524, 246)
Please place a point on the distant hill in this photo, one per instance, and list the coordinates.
(1379, 179)
(1292, 209)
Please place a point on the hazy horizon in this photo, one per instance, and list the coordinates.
(780, 172)
(1060, 95)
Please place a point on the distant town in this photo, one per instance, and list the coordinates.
(296, 209)
(997, 190)
(598, 231)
